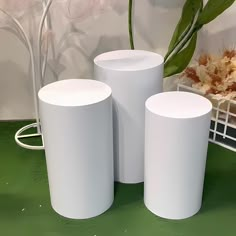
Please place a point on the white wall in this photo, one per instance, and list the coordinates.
(77, 42)
(221, 33)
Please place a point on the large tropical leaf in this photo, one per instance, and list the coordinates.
(190, 9)
(178, 62)
(213, 9)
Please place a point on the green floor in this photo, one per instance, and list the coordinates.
(25, 207)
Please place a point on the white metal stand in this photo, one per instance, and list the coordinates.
(19, 134)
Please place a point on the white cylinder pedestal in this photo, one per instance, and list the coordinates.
(76, 119)
(133, 76)
(176, 140)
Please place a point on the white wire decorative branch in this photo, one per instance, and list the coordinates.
(47, 28)
(41, 70)
(42, 23)
(32, 61)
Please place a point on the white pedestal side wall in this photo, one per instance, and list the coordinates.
(76, 118)
(176, 140)
(133, 77)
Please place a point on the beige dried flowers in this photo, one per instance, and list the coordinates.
(215, 75)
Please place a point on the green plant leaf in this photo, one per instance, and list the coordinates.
(190, 9)
(213, 9)
(178, 62)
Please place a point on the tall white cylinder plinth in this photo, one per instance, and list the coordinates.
(133, 76)
(176, 140)
(76, 119)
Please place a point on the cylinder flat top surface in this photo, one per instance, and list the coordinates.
(128, 60)
(178, 105)
(74, 92)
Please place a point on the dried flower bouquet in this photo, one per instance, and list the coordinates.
(214, 76)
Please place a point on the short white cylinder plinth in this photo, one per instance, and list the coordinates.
(76, 119)
(133, 76)
(176, 140)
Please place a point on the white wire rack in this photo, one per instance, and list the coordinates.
(223, 125)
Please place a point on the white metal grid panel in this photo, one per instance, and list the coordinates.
(223, 125)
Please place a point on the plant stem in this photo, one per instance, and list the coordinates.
(195, 29)
(184, 35)
(181, 45)
(178, 42)
(185, 41)
(131, 40)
